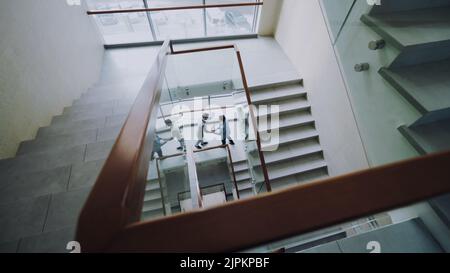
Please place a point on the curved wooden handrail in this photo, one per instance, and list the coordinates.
(291, 212)
(231, 5)
(117, 196)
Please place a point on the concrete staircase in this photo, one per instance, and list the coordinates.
(420, 30)
(299, 156)
(43, 188)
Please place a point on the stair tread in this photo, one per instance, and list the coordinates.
(429, 138)
(425, 86)
(152, 186)
(278, 93)
(300, 179)
(287, 152)
(71, 128)
(294, 167)
(42, 161)
(293, 135)
(412, 27)
(58, 142)
(287, 121)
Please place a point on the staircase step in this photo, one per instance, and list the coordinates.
(289, 152)
(429, 138)
(152, 214)
(71, 128)
(108, 133)
(278, 93)
(240, 166)
(98, 150)
(286, 107)
(106, 105)
(42, 161)
(152, 195)
(411, 28)
(152, 186)
(425, 86)
(80, 116)
(300, 179)
(294, 167)
(244, 176)
(57, 143)
(403, 5)
(34, 184)
(293, 135)
(287, 121)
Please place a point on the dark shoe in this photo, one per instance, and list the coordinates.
(224, 142)
(180, 148)
(204, 143)
(231, 142)
(198, 147)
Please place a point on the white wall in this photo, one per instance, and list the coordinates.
(303, 35)
(269, 17)
(50, 53)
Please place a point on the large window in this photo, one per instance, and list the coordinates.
(122, 28)
(177, 24)
(230, 21)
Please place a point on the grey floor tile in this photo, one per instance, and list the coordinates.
(85, 174)
(34, 184)
(9, 247)
(64, 209)
(71, 127)
(23, 218)
(108, 133)
(116, 120)
(98, 151)
(44, 161)
(57, 143)
(49, 242)
(106, 106)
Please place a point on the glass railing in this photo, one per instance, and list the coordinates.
(203, 137)
(395, 74)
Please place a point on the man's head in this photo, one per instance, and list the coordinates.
(168, 122)
(205, 116)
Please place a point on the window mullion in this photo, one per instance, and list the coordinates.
(150, 21)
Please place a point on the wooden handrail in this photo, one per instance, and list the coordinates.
(117, 197)
(291, 212)
(253, 117)
(231, 5)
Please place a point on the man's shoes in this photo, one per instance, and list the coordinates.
(180, 148)
(204, 143)
(231, 142)
(198, 147)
